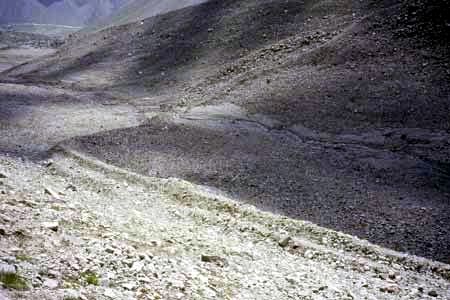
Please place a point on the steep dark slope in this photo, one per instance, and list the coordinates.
(337, 112)
(197, 40)
(353, 65)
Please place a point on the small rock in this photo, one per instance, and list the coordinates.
(9, 259)
(16, 250)
(71, 294)
(292, 280)
(51, 284)
(110, 293)
(75, 266)
(394, 275)
(7, 269)
(432, 294)
(391, 289)
(213, 259)
(284, 241)
(36, 282)
(145, 256)
(105, 282)
(177, 283)
(71, 187)
(54, 226)
(109, 250)
(53, 274)
(2, 176)
(137, 266)
(129, 286)
(51, 192)
(144, 279)
(382, 276)
(127, 262)
(309, 254)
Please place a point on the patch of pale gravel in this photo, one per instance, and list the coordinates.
(147, 238)
(34, 119)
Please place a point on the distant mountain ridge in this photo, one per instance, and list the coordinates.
(48, 2)
(61, 12)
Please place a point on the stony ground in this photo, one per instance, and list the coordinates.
(9, 57)
(19, 47)
(355, 184)
(334, 112)
(349, 100)
(75, 228)
(34, 118)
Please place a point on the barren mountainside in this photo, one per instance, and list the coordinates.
(138, 10)
(61, 12)
(226, 149)
(367, 82)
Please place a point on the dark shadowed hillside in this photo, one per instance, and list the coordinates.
(336, 112)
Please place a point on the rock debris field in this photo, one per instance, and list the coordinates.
(240, 150)
(75, 228)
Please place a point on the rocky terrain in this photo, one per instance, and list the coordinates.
(75, 228)
(138, 10)
(346, 105)
(19, 47)
(232, 150)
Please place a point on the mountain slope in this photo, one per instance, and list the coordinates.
(138, 10)
(171, 240)
(64, 12)
(216, 47)
(20, 11)
(334, 112)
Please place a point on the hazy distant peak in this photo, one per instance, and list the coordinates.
(61, 12)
